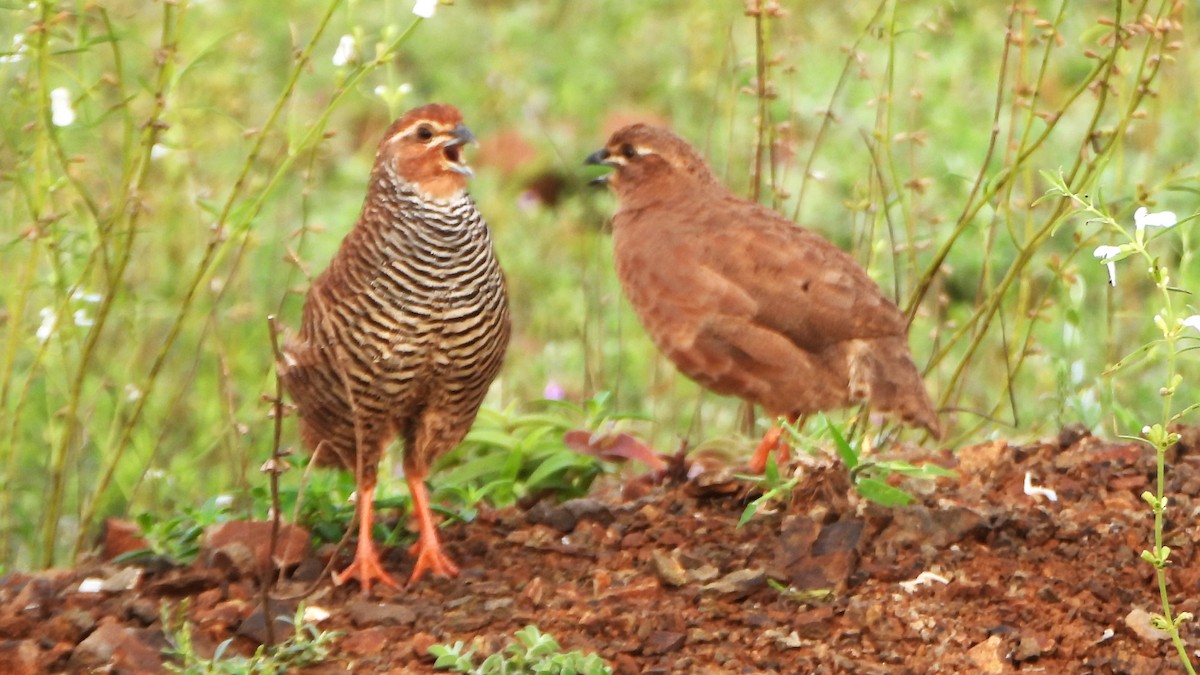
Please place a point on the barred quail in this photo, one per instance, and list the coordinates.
(745, 302)
(405, 330)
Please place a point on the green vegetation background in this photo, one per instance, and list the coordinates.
(217, 155)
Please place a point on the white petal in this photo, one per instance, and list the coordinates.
(1106, 253)
(1142, 218)
(49, 323)
(347, 51)
(1192, 321)
(61, 113)
(425, 8)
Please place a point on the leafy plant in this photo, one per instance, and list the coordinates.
(869, 478)
(177, 538)
(307, 645)
(1175, 332)
(531, 652)
(508, 454)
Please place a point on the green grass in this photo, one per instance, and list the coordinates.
(531, 652)
(208, 172)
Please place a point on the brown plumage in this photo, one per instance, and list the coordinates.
(404, 331)
(745, 302)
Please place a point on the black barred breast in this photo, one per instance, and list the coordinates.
(404, 331)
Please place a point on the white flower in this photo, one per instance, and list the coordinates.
(18, 50)
(61, 112)
(86, 297)
(425, 8)
(49, 323)
(1108, 256)
(83, 320)
(1192, 321)
(347, 51)
(223, 501)
(1142, 218)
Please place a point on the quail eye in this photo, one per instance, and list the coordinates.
(424, 132)
(628, 151)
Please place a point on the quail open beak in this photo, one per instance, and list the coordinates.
(600, 157)
(451, 149)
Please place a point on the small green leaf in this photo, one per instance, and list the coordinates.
(848, 454)
(883, 494)
(748, 512)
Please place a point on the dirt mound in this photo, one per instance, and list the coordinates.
(978, 576)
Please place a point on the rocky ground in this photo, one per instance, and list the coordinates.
(978, 577)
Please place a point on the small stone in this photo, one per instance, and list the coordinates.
(979, 459)
(1031, 648)
(741, 582)
(705, 572)
(20, 658)
(1138, 621)
(125, 579)
(366, 613)
(668, 569)
(120, 537)
(422, 641)
(586, 508)
(118, 648)
(365, 642)
(246, 546)
(662, 642)
(497, 604)
(814, 624)
(988, 656)
(552, 515)
(255, 625)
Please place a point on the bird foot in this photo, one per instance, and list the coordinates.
(772, 440)
(431, 557)
(365, 568)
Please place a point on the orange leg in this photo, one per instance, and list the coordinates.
(366, 566)
(772, 440)
(428, 548)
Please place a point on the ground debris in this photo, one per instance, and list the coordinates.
(666, 581)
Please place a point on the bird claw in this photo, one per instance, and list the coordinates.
(431, 557)
(366, 568)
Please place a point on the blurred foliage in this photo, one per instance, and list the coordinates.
(216, 155)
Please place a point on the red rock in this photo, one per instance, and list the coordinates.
(366, 641)
(119, 649)
(120, 537)
(246, 546)
(20, 657)
(989, 656)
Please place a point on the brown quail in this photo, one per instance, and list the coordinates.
(405, 330)
(745, 302)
